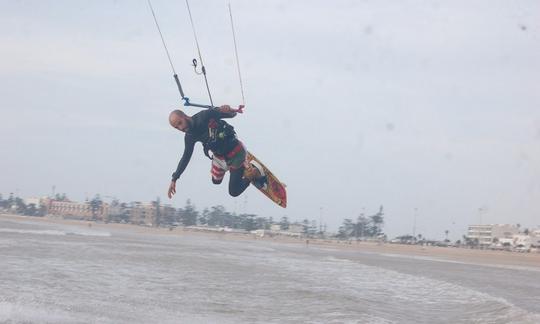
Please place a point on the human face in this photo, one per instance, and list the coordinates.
(180, 123)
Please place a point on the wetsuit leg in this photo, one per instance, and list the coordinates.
(237, 182)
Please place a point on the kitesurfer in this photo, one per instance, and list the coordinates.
(219, 137)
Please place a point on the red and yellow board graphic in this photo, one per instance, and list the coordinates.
(275, 190)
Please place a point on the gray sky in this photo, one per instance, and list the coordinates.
(410, 104)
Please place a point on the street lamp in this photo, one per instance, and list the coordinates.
(414, 223)
(480, 211)
(320, 219)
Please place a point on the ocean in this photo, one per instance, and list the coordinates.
(58, 273)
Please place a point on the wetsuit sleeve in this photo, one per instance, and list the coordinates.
(215, 113)
(188, 151)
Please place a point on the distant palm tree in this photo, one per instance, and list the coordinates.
(284, 223)
(96, 205)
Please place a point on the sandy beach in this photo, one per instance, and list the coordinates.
(473, 256)
(68, 271)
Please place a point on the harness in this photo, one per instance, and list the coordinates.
(219, 134)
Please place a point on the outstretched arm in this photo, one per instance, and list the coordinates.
(226, 111)
(188, 152)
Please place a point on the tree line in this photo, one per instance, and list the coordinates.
(17, 205)
(363, 227)
(214, 216)
(218, 216)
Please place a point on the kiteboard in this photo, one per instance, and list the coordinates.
(273, 188)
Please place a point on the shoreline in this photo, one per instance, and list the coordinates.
(447, 254)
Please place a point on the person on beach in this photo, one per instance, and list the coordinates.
(219, 137)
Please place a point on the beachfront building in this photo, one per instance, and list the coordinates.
(523, 242)
(33, 201)
(143, 213)
(34, 206)
(535, 238)
(275, 227)
(76, 210)
(69, 209)
(296, 228)
(488, 234)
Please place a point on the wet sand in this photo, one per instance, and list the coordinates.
(476, 256)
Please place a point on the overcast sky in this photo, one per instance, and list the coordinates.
(432, 105)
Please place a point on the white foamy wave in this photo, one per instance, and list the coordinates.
(54, 232)
(37, 232)
(413, 288)
(435, 259)
(7, 243)
(379, 289)
(88, 233)
(17, 313)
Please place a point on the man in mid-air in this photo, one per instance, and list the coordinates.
(217, 136)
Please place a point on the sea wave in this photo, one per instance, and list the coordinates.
(55, 232)
(20, 313)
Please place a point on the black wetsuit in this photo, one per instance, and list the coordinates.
(200, 131)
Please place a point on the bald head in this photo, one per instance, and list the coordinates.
(175, 115)
(179, 120)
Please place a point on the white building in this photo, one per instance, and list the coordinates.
(32, 201)
(535, 238)
(522, 241)
(275, 227)
(486, 234)
(296, 228)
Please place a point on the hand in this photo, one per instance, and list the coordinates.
(225, 108)
(172, 189)
(228, 110)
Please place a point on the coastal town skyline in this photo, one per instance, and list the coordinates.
(84, 209)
